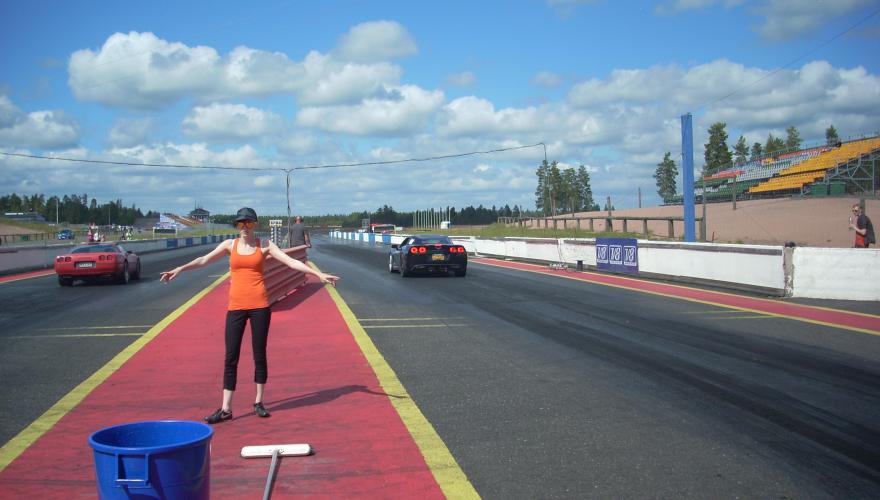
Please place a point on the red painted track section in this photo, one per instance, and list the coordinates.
(321, 391)
(21, 276)
(834, 317)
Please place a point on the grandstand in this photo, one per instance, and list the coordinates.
(848, 168)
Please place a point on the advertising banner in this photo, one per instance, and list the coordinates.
(620, 255)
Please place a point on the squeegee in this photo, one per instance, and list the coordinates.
(275, 451)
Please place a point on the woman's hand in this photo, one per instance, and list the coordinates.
(328, 278)
(167, 276)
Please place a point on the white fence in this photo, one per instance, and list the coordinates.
(824, 273)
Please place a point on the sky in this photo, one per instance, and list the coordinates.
(291, 85)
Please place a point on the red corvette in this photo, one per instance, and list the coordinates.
(97, 261)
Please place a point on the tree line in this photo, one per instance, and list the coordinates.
(718, 156)
(386, 214)
(563, 190)
(73, 209)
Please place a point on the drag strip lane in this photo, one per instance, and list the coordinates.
(53, 338)
(559, 388)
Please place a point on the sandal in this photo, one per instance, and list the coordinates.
(218, 416)
(260, 410)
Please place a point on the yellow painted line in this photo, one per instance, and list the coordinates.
(74, 335)
(449, 476)
(701, 301)
(13, 280)
(710, 312)
(17, 445)
(92, 328)
(401, 319)
(414, 326)
(760, 316)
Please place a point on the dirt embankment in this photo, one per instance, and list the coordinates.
(815, 222)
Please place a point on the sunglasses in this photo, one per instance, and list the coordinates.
(245, 224)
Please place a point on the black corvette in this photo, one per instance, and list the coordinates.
(427, 253)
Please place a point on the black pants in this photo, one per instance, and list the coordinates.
(235, 322)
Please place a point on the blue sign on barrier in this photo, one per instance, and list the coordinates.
(189, 242)
(617, 254)
(386, 239)
(171, 243)
(372, 238)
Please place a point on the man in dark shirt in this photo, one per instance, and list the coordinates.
(299, 234)
(862, 226)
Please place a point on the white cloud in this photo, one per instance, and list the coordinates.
(786, 19)
(547, 79)
(142, 71)
(231, 122)
(781, 19)
(683, 5)
(37, 129)
(463, 79)
(376, 41)
(344, 83)
(565, 8)
(130, 132)
(474, 116)
(402, 110)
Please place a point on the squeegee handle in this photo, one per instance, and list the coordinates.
(268, 491)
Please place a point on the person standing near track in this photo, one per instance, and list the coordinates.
(861, 224)
(248, 301)
(299, 234)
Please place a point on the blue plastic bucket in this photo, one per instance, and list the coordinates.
(167, 459)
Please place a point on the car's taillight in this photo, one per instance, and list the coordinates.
(67, 259)
(423, 249)
(60, 258)
(461, 250)
(456, 250)
(418, 249)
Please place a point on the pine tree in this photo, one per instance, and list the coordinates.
(666, 175)
(793, 139)
(741, 151)
(774, 144)
(557, 187)
(570, 195)
(586, 192)
(831, 137)
(542, 197)
(717, 154)
(757, 151)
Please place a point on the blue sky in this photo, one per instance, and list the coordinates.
(288, 84)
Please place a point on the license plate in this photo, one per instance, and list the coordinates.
(438, 256)
(85, 264)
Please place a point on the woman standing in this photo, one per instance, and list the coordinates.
(248, 301)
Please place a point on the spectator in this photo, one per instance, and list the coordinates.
(861, 224)
(299, 234)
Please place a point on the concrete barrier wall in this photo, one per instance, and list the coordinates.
(824, 273)
(836, 273)
(36, 257)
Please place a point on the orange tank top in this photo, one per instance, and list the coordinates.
(247, 290)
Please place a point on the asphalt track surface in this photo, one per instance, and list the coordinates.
(541, 387)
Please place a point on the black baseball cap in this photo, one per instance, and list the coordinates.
(245, 213)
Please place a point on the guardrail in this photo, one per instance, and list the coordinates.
(821, 273)
(607, 221)
(279, 279)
